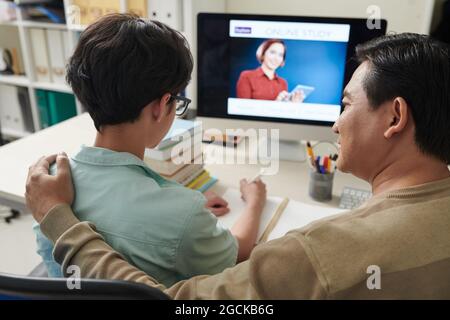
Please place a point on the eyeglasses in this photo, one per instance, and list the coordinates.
(182, 104)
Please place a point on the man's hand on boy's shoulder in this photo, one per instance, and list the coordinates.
(43, 191)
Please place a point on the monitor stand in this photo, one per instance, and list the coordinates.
(288, 150)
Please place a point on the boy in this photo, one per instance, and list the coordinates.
(127, 73)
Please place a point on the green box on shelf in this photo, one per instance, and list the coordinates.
(42, 103)
(61, 106)
(55, 107)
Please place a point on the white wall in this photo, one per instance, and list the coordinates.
(402, 15)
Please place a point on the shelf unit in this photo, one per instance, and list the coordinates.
(14, 80)
(188, 10)
(29, 80)
(15, 134)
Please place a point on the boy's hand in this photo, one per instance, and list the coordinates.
(254, 193)
(217, 205)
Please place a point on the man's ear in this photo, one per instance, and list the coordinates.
(397, 116)
(159, 109)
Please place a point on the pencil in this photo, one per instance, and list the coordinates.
(273, 222)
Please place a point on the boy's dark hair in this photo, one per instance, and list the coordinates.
(416, 68)
(123, 62)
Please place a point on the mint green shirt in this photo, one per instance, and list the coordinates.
(159, 226)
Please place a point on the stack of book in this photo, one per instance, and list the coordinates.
(179, 156)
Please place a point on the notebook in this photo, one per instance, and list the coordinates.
(280, 215)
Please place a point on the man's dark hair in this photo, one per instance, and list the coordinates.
(123, 62)
(416, 68)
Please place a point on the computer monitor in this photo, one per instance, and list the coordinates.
(276, 72)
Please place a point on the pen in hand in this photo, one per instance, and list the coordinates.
(262, 172)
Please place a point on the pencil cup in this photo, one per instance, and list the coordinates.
(321, 186)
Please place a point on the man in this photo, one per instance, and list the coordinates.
(394, 132)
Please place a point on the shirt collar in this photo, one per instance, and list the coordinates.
(261, 73)
(105, 157)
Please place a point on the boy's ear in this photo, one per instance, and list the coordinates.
(397, 117)
(159, 109)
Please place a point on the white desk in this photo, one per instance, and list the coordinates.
(16, 157)
(17, 247)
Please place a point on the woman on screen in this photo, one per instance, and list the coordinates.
(263, 83)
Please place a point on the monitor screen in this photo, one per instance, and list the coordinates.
(276, 68)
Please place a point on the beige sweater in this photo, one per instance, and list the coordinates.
(396, 246)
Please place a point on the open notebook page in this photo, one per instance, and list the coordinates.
(237, 206)
(299, 214)
(296, 214)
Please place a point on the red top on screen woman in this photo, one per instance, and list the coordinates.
(263, 83)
